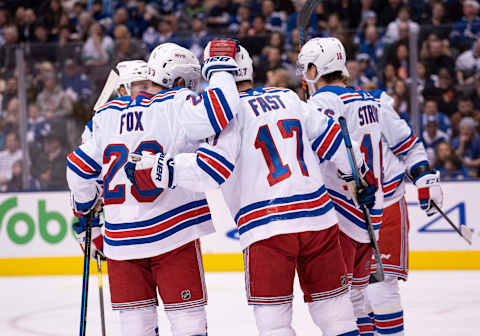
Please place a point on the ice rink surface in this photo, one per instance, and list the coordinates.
(443, 303)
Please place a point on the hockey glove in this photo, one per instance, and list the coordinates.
(219, 55)
(428, 187)
(365, 195)
(80, 227)
(81, 209)
(150, 171)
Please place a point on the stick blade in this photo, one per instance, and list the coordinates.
(467, 233)
(108, 88)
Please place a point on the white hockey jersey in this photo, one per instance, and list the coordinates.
(141, 224)
(361, 112)
(274, 183)
(401, 149)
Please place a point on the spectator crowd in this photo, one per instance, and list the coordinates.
(69, 47)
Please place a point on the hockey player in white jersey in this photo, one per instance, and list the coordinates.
(322, 61)
(151, 238)
(403, 153)
(132, 79)
(273, 187)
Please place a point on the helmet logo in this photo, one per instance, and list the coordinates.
(180, 56)
(151, 72)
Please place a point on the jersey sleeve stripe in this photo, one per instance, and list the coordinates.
(389, 187)
(214, 174)
(223, 102)
(327, 144)
(218, 109)
(87, 159)
(210, 161)
(79, 167)
(230, 166)
(210, 113)
(404, 146)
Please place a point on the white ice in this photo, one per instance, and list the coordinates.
(443, 303)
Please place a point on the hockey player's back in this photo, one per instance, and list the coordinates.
(275, 156)
(361, 112)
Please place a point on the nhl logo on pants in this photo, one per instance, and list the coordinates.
(343, 280)
(186, 295)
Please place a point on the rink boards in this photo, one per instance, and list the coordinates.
(36, 236)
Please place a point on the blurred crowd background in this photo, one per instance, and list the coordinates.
(69, 47)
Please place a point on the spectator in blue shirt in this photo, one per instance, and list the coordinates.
(276, 21)
(76, 81)
(467, 29)
(243, 15)
(467, 145)
(430, 109)
(372, 45)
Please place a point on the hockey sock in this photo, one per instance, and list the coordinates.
(365, 326)
(188, 322)
(389, 324)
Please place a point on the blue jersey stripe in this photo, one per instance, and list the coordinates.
(91, 162)
(155, 220)
(161, 235)
(320, 138)
(217, 156)
(334, 147)
(402, 142)
(210, 113)
(223, 102)
(80, 173)
(84, 206)
(284, 216)
(280, 200)
(210, 171)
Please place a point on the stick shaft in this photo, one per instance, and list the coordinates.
(371, 233)
(100, 293)
(86, 276)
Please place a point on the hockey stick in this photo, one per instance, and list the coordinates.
(108, 88)
(465, 232)
(86, 274)
(100, 292)
(379, 274)
(303, 19)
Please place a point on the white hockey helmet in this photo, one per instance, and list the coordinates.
(129, 72)
(245, 66)
(169, 61)
(326, 53)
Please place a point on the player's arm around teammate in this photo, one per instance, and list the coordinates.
(141, 240)
(272, 204)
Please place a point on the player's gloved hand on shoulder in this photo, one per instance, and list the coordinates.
(428, 186)
(219, 55)
(80, 228)
(149, 171)
(365, 194)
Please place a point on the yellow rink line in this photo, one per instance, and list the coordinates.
(228, 262)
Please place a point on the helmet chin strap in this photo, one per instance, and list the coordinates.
(311, 83)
